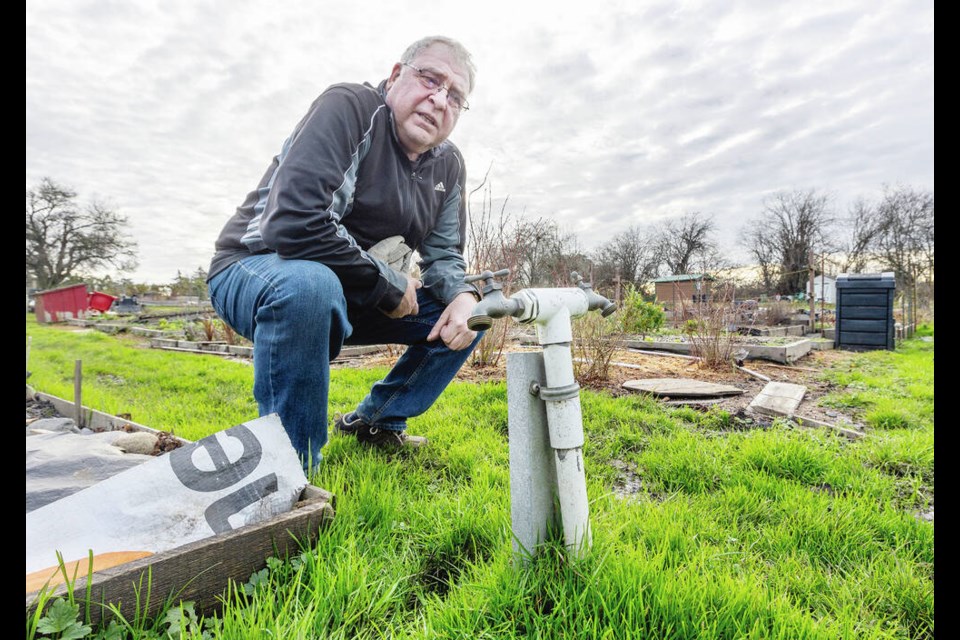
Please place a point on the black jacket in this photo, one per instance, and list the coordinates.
(342, 183)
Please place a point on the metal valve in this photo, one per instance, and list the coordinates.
(596, 301)
(488, 279)
(494, 303)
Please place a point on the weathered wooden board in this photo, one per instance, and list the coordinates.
(851, 434)
(98, 419)
(681, 388)
(778, 399)
(200, 571)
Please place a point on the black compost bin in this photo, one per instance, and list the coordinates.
(865, 311)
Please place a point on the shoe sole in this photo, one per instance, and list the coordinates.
(413, 442)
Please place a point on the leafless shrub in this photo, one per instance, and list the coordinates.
(209, 328)
(595, 340)
(194, 331)
(394, 351)
(776, 313)
(708, 327)
(490, 349)
(229, 335)
(495, 244)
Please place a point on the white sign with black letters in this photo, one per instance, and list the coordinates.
(242, 475)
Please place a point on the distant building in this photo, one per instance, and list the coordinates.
(677, 292)
(825, 288)
(61, 304)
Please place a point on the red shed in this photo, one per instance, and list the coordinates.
(60, 305)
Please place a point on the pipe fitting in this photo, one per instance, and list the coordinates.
(494, 305)
(596, 301)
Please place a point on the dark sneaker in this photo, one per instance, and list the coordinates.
(347, 424)
(387, 438)
(350, 424)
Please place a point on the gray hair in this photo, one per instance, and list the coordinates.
(460, 54)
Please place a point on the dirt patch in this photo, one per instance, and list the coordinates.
(808, 371)
(37, 409)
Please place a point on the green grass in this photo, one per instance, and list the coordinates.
(760, 533)
(924, 329)
(190, 395)
(889, 390)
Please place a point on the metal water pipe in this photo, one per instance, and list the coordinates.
(550, 380)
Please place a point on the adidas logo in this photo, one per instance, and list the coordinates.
(440, 187)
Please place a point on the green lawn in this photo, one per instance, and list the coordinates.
(766, 533)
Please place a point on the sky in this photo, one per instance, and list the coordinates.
(599, 115)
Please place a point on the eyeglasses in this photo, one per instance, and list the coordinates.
(431, 81)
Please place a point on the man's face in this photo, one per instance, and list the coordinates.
(422, 117)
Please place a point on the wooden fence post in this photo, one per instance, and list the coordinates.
(77, 399)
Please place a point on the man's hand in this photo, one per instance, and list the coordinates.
(408, 305)
(452, 325)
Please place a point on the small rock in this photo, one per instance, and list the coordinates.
(137, 442)
(926, 516)
(31, 394)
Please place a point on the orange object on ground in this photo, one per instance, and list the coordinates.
(53, 576)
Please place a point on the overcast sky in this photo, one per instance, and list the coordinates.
(600, 115)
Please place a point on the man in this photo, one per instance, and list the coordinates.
(316, 255)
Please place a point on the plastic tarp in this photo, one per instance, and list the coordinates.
(62, 461)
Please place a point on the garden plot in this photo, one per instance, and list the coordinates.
(781, 350)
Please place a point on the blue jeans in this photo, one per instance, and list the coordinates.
(295, 313)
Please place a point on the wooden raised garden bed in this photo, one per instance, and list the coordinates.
(199, 571)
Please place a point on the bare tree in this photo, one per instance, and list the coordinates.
(548, 253)
(492, 247)
(764, 252)
(535, 250)
(487, 239)
(863, 236)
(65, 239)
(896, 233)
(686, 242)
(631, 255)
(792, 225)
(904, 239)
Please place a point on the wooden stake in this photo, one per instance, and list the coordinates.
(823, 295)
(77, 400)
(668, 354)
(813, 307)
(810, 422)
(755, 374)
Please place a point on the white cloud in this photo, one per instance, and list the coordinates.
(601, 115)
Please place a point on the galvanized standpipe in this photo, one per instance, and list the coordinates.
(565, 420)
(533, 483)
